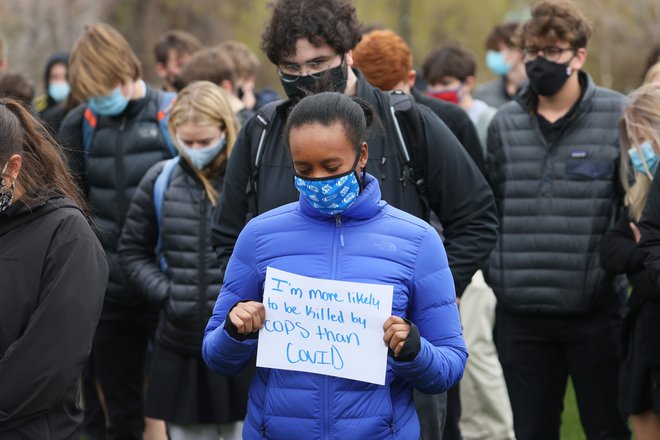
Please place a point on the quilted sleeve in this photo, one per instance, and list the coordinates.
(441, 359)
(222, 353)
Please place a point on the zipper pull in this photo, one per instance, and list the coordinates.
(341, 231)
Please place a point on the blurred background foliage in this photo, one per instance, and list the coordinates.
(625, 30)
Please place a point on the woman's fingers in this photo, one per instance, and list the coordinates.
(396, 332)
(248, 316)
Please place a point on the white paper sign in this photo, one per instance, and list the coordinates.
(324, 326)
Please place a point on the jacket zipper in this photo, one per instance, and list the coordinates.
(341, 236)
(119, 173)
(201, 298)
(338, 237)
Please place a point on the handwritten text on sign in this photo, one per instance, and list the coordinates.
(324, 326)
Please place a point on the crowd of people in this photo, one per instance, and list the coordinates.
(517, 221)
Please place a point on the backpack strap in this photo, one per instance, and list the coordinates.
(408, 126)
(162, 182)
(89, 122)
(165, 102)
(259, 133)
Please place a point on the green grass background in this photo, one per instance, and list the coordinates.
(571, 429)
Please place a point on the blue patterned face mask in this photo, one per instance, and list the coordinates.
(649, 155)
(497, 63)
(112, 104)
(330, 195)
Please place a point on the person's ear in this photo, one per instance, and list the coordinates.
(364, 156)
(411, 77)
(348, 56)
(14, 165)
(468, 84)
(161, 71)
(227, 86)
(579, 59)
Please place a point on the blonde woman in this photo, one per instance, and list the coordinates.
(171, 212)
(640, 371)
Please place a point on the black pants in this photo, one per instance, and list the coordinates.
(452, 429)
(539, 352)
(119, 362)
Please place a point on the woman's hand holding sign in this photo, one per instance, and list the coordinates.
(396, 332)
(402, 337)
(248, 316)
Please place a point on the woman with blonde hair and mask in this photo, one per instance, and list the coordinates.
(639, 394)
(165, 252)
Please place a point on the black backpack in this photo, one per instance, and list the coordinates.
(408, 132)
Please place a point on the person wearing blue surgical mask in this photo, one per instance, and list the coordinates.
(339, 229)
(504, 60)
(171, 212)
(52, 106)
(622, 250)
(112, 140)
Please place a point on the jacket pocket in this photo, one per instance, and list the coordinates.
(588, 169)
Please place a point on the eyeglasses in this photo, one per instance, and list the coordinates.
(550, 53)
(290, 72)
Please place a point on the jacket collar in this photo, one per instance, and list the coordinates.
(367, 205)
(20, 212)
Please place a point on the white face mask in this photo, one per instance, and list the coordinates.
(202, 157)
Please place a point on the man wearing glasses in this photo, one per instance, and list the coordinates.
(310, 43)
(552, 158)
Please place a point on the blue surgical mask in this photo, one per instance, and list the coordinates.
(111, 104)
(649, 156)
(202, 157)
(330, 195)
(497, 63)
(59, 91)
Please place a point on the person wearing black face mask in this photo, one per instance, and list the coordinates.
(310, 43)
(552, 160)
(313, 76)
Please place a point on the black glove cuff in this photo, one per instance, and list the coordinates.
(232, 330)
(411, 346)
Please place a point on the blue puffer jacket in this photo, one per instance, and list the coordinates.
(371, 242)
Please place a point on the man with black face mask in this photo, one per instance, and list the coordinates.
(310, 43)
(552, 159)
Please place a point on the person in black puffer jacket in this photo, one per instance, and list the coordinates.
(171, 212)
(125, 143)
(639, 391)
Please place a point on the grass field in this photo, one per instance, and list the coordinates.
(571, 429)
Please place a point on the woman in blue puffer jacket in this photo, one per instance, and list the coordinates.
(360, 239)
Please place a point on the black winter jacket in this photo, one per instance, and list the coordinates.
(191, 284)
(457, 192)
(555, 202)
(53, 275)
(458, 121)
(124, 147)
(619, 253)
(649, 226)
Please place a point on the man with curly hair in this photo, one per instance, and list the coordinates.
(310, 42)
